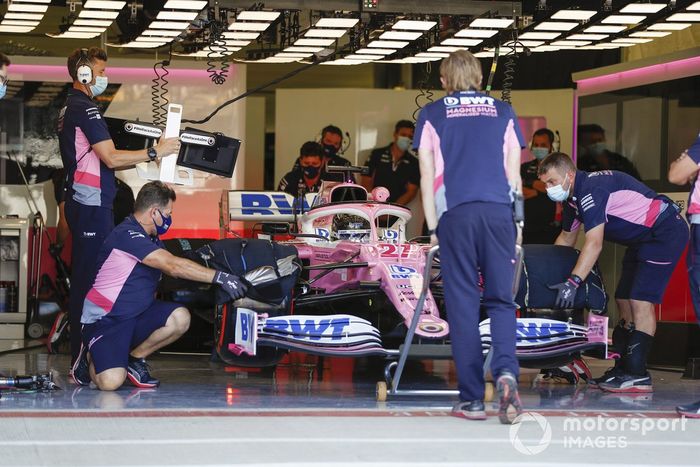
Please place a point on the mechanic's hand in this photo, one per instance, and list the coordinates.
(167, 146)
(566, 292)
(231, 284)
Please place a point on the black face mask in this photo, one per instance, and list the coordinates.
(330, 150)
(310, 172)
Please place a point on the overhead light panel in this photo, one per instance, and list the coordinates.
(161, 32)
(27, 8)
(335, 33)
(75, 35)
(588, 37)
(177, 15)
(631, 40)
(239, 26)
(98, 14)
(524, 43)
(578, 15)
(623, 19)
(29, 16)
(400, 35)
(444, 49)
(17, 22)
(258, 15)
(185, 4)
(650, 34)
(373, 51)
(388, 44)
(414, 25)
(232, 43)
(168, 25)
(498, 23)
(91, 22)
(462, 42)
(668, 26)
(605, 29)
(484, 54)
(363, 57)
(565, 43)
(645, 8)
(103, 5)
(690, 17)
(312, 50)
(244, 36)
(346, 23)
(544, 36)
(139, 45)
(294, 54)
(546, 48)
(483, 33)
(556, 26)
(36, 1)
(86, 29)
(433, 54)
(153, 39)
(694, 7)
(314, 42)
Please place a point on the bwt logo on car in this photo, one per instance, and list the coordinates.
(258, 203)
(314, 330)
(401, 272)
(542, 331)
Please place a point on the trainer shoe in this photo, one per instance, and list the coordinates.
(609, 374)
(471, 410)
(139, 374)
(80, 372)
(689, 410)
(628, 383)
(507, 387)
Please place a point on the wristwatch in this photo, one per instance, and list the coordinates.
(152, 153)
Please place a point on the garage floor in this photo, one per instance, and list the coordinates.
(323, 411)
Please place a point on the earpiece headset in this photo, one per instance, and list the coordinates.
(83, 68)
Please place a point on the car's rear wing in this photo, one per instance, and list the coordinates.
(264, 206)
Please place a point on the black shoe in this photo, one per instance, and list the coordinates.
(608, 376)
(139, 374)
(689, 410)
(507, 387)
(628, 383)
(471, 410)
(81, 368)
(562, 375)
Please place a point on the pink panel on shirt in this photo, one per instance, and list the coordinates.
(84, 178)
(430, 141)
(694, 207)
(632, 207)
(113, 274)
(510, 141)
(100, 300)
(90, 163)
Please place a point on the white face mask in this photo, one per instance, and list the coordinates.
(557, 193)
(99, 86)
(403, 142)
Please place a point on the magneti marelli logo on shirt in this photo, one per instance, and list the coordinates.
(470, 106)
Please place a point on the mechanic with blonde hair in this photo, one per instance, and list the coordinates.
(469, 153)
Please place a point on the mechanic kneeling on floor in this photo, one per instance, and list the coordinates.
(123, 323)
(615, 206)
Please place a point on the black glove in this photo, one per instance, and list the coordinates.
(231, 284)
(566, 292)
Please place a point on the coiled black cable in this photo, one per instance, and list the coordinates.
(217, 47)
(424, 92)
(159, 91)
(509, 67)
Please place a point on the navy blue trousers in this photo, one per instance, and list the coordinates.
(89, 226)
(693, 263)
(479, 237)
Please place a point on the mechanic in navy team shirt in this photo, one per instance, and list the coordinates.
(394, 167)
(614, 206)
(469, 153)
(90, 158)
(306, 178)
(122, 321)
(683, 171)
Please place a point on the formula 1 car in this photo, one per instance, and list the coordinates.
(352, 282)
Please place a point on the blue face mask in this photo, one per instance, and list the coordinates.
(403, 143)
(3, 90)
(310, 172)
(99, 86)
(558, 193)
(540, 153)
(598, 148)
(167, 222)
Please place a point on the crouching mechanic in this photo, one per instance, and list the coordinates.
(122, 321)
(616, 207)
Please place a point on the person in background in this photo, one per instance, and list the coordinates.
(469, 148)
(394, 167)
(594, 153)
(684, 171)
(4, 65)
(90, 159)
(540, 211)
(123, 323)
(613, 206)
(307, 177)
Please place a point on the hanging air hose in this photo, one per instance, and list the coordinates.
(494, 67)
(217, 47)
(509, 68)
(159, 91)
(424, 92)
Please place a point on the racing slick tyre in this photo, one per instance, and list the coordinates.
(381, 391)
